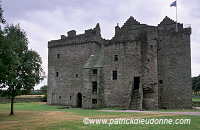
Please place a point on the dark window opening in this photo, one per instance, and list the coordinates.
(115, 75)
(59, 97)
(151, 47)
(70, 97)
(136, 83)
(116, 58)
(76, 75)
(56, 74)
(94, 71)
(161, 81)
(94, 101)
(94, 86)
(58, 56)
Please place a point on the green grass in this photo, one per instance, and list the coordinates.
(34, 106)
(41, 116)
(176, 110)
(195, 99)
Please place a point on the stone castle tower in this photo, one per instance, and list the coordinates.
(141, 67)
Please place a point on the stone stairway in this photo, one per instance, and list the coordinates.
(134, 100)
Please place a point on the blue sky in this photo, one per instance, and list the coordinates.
(45, 20)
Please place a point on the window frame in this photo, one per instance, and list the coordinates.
(94, 101)
(94, 87)
(116, 57)
(94, 70)
(58, 56)
(114, 75)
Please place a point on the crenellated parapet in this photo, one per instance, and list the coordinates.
(90, 35)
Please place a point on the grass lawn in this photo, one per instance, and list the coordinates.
(38, 116)
(195, 99)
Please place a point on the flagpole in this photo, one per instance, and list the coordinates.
(176, 17)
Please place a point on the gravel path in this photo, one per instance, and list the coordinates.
(193, 113)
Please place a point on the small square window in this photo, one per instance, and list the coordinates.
(116, 58)
(58, 56)
(115, 75)
(94, 71)
(57, 74)
(94, 86)
(94, 101)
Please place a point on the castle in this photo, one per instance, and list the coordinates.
(141, 67)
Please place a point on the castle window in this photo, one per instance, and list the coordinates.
(115, 75)
(70, 97)
(59, 97)
(58, 56)
(94, 71)
(94, 86)
(53, 96)
(57, 74)
(94, 101)
(76, 75)
(151, 47)
(161, 81)
(116, 58)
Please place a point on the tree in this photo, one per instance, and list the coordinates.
(43, 89)
(196, 84)
(2, 20)
(25, 70)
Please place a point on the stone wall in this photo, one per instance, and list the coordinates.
(65, 74)
(17, 100)
(174, 68)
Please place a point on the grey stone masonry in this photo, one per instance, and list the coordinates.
(141, 67)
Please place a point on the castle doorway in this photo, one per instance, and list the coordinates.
(79, 100)
(136, 83)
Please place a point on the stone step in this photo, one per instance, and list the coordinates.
(132, 108)
(133, 103)
(135, 94)
(134, 97)
(134, 100)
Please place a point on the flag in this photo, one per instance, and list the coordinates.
(173, 4)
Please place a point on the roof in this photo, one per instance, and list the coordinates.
(167, 21)
(96, 61)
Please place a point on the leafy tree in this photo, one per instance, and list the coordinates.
(24, 69)
(2, 20)
(196, 84)
(43, 89)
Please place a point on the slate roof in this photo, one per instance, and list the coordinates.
(96, 60)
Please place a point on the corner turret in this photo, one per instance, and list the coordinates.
(117, 29)
(98, 30)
